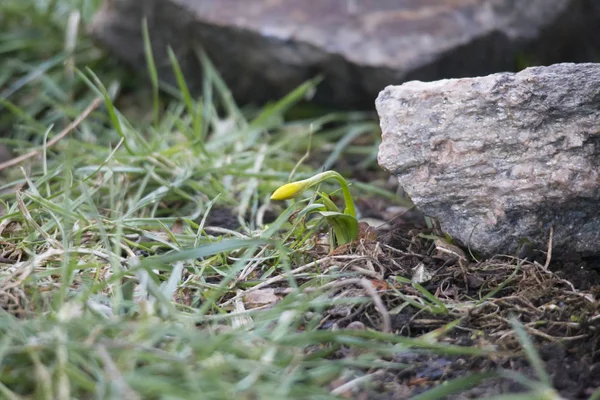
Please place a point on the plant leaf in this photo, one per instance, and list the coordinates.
(345, 227)
(329, 205)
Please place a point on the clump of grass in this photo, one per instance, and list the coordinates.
(40, 46)
(114, 281)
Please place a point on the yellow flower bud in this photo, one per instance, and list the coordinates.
(294, 189)
(290, 190)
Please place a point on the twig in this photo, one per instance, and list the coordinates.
(549, 255)
(17, 160)
(354, 384)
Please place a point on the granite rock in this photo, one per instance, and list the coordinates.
(265, 48)
(501, 159)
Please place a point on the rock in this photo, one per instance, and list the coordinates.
(501, 158)
(265, 48)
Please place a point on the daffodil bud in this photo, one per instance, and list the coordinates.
(290, 190)
(294, 189)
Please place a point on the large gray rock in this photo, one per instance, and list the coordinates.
(501, 158)
(265, 48)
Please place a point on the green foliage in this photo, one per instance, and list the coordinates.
(344, 226)
(121, 286)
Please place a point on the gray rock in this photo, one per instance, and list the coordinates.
(501, 158)
(265, 48)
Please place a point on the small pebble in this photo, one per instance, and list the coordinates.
(356, 325)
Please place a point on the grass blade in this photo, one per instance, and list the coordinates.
(457, 385)
(152, 72)
(531, 353)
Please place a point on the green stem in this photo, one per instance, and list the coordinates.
(350, 209)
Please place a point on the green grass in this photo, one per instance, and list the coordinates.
(119, 286)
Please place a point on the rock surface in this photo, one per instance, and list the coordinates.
(501, 158)
(265, 48)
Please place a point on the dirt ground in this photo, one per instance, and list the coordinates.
(557, 304)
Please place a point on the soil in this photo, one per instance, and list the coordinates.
(558, 307)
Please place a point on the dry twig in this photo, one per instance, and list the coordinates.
(549, 255)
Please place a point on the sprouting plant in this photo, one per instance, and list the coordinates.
(344, 225)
